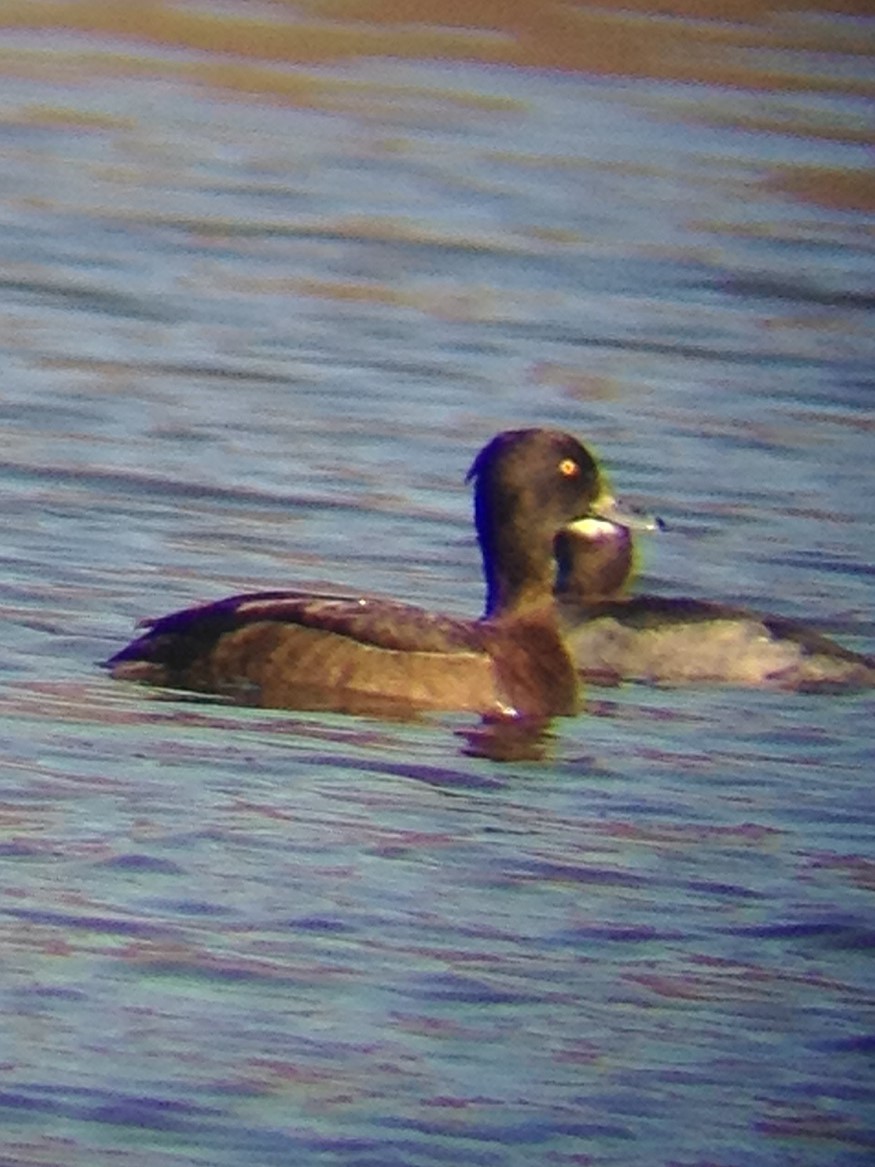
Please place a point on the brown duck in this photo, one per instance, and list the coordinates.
(286, 649)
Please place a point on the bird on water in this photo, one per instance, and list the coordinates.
(295, 650)
(614, 635)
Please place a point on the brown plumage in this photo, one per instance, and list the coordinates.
(301, 651)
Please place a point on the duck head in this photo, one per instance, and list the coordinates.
(595, 556)
(528, 485)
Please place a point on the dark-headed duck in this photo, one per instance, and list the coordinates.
(301, 651)
(617, 637)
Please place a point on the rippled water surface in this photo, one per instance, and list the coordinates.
(270, 275)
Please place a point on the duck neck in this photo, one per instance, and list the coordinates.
(519, 575)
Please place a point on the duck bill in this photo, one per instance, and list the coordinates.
(607, 515)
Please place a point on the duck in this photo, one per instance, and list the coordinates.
(614, 636)
(358, 654)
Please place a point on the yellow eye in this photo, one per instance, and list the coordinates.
(568, 468)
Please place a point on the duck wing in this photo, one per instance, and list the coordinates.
(288, 649)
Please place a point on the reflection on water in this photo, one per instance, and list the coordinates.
(271, 274)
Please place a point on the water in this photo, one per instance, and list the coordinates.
(257, 319)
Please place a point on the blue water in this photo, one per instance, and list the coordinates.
(248, 345)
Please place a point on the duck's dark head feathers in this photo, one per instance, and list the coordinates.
(529, 484)
(595, 560)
